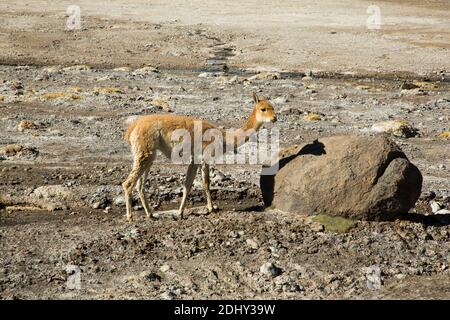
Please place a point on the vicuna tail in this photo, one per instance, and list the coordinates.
(129, 131)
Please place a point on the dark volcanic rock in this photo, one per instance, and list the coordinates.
(352, 176)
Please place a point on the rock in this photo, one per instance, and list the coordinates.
(134, 233)
(97, 205)
(122, 69)
(280, 100)
(161, 103)
(217, 176)
(151, 276)
(399, 128)
(373, 276)
(80, 67)
(206, 75)
(146, 70)
(312, 117)
(52, 69)
(286, 110)
(435, 206)
(119, 201)
(442, 211)
(252, 244)
(317, 227)
(164, 268)
(26, 124)
(408, 86)
(19, 151)
(51, 197)
(444, 135)
(11, 150)
(265, 76)
(270, 269)
(428, 195)
(358, 177)
(60, 95)
(167, 295)
(107, 90)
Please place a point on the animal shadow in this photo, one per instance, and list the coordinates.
(267, 177)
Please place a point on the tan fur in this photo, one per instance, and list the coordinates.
(150, 133)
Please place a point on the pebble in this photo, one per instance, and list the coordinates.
(270, 269)
(399, 128)
(373, 276)
(119, 201)
(96, 205)
(252, 244)
(435, 206)
(164, 268)
(167, 295)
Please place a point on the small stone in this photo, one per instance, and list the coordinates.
(80, 67)
(408, 86)
(435, 206)
(119, 201)
(96, 205)
(317, 227)
(373, 276)
(270, 269)
(312, 117)
(218, 177)
(161, 103)
(26, 124)
(164, 268)
(399, 128)
(146, 70)
(430, 195)
(167, 295)
(444, 135)
(280, 100)
(252, 244)
(134, 233)
(151, 276)
(265, 76)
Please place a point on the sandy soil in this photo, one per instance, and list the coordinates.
(61, 199)
(293, 35)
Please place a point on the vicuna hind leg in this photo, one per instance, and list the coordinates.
(140, 188)
(206, 185)
(140, 165)
(190, 176)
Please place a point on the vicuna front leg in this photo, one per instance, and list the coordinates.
(206, 185)
(190, 176)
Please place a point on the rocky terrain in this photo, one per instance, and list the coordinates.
(63, 159)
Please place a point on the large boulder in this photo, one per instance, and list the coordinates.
(360, 177)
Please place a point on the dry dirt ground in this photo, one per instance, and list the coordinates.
(60, 195)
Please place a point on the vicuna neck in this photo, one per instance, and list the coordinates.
(242, 135)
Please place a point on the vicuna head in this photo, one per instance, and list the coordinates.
(263, 110)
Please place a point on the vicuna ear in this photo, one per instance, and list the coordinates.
(255, 97)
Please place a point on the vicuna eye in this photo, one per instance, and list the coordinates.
(263, 109)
